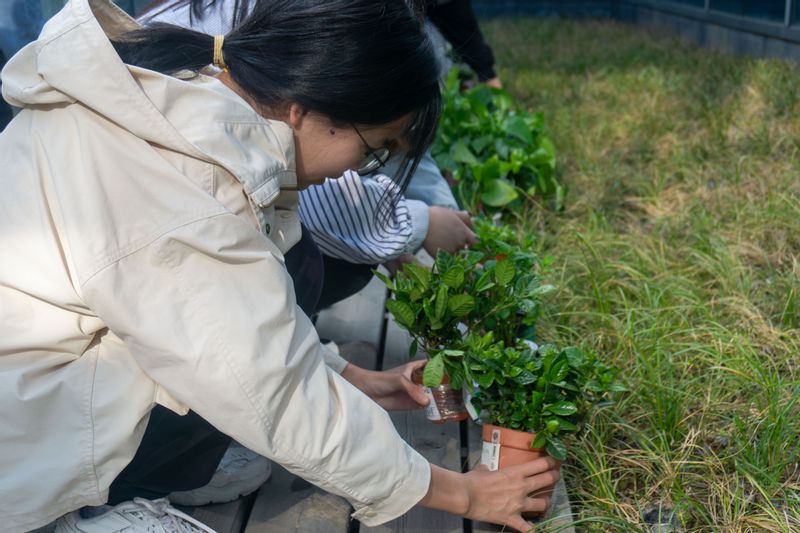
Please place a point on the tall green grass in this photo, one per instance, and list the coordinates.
(678, 256)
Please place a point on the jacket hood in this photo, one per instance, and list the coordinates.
(73, 61)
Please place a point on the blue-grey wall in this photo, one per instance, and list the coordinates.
(761, 28)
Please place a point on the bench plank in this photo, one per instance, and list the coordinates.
(287, 503)
(358, 318)
(439, 444)
(558, 518)
(223, 517)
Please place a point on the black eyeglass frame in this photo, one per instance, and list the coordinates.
(373, 158)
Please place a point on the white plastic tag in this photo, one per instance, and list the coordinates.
(532, 345)
(431, 410)
(473, 413)
(490, 454)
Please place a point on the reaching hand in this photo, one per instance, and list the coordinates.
(396, 264)
(494, 82)
(448, 229)
(499, 497)
(503, 496)
(392, 389)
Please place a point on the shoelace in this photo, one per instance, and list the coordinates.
(162, 509)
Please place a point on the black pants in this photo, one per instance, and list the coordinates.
(182, 452)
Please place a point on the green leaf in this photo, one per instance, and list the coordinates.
(504, 272)
(556, 448)
(485, 380)
(575, 356)
(421, 274)
(539, 441)
(499, 192)
(485, 282)
(385, 279)
(461, 304)
(479, 144)
(412, 349)
(525, 378)
(454, 277)
(433, 374)
(441, 303)
(516, 127)
(558, 371)
(462, 154)
(566, 425)
(562, 408)
(402, 312)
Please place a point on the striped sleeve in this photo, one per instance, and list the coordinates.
(344, 216)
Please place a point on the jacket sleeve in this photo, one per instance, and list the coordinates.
(363, 220)
(456, 20)
(207, 311)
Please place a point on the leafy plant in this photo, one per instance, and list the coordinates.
(510, 306)
(495, 153)
(430, 304)
(547, 392)
(494, 287)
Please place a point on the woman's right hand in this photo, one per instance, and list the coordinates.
(448, 229)
(499, 497)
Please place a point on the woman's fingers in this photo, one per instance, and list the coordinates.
(520, 524)
(531, 468)
(537, 505)
(544, 480)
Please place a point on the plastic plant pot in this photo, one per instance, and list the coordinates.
(445, 403)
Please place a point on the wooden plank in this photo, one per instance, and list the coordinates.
(287, 503)
(558, 518)
(223, 517)
(440, 444)
(358, 318)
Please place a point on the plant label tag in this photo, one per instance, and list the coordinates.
(473, 413)
(490, 454)
(431, 410)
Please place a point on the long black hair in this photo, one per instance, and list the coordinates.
(365, 62)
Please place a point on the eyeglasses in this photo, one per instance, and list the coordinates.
(373, 158)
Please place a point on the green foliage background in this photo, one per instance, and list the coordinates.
(677, 254)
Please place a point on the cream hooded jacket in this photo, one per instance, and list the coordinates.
(142, 226)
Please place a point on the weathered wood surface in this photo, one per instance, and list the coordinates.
(287, 503)
(358, 318)
(557, 520)
(224, 517)
(440, 444)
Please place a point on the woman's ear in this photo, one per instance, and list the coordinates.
(296, 116)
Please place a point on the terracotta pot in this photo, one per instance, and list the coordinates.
(504, 447)
(445, 403)
(514, 449)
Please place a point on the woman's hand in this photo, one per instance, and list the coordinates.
(391, 389)
(499, 496)
(448, 229)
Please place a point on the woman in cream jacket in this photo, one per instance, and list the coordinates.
(147, 204)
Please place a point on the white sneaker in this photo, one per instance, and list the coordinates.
(239, 473)
(137, 516)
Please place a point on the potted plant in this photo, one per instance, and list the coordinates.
(430, 305)
(531, 399)
(510, 306)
